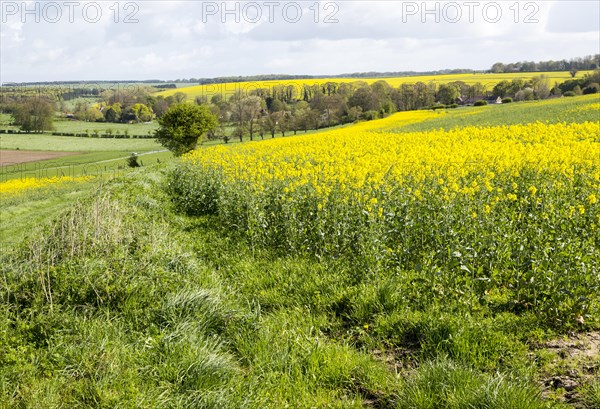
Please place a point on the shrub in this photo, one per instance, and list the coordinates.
(480, 103)
(370, 115)
(507, 100)
(593, 88)
(569, 94)
(132, 161)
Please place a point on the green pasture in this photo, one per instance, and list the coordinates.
(46, 142)
(565, 109)
(73, 126)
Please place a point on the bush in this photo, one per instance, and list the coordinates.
(132, 161)
(452, 106)
(480, 103)
(507, 100)
(370, 115)
(183, 125)
(593, 88)
(569, 94)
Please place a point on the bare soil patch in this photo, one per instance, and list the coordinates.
(576, 362)
(16, 157)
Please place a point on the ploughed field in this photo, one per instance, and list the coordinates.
(8, 157)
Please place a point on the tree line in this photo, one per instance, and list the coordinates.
(291, 108)
(590, 62)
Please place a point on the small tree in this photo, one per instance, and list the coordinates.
(132, 160)
(183, 125)
(447, 94)
(34, 115)
(141, 113)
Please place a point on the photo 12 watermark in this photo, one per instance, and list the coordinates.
(257, 12)
(469, 12)
(209, 11)
(270, 11)
(69, 11)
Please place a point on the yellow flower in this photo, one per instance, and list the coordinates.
(15, 187)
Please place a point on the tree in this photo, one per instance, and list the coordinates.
(593, 88)
(447, 94)
(364, 98)
(92, 114)
(573, 73)
(497, 68)
(132, 160)
(541, 87)
(502, 89)
(34, 115)
(251, 109)
(183, 125)
(113, 113)
(275, 105)
(141, 113)
(179, 97)
(526, 94)
(269, 124)
(284, 122)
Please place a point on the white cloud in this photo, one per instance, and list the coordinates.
(180, 39)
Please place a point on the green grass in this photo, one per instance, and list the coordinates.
(105, 164)
(63, 125)
(69, 126)
(96, 156)
(109, 297)
(5, 121)
(551, 111)
(142, 307)
(44, 142)
(20, 215)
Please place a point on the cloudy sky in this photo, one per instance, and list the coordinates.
(119, 40)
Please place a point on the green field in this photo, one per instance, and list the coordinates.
(130, 290)
(62, 125)
(69, 126)
(572, 110)
(45, 142)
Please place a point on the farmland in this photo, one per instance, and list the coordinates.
(487, 80)
(47, 172)
(62, 125)
(430, 258)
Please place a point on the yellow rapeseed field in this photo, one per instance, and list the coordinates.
(512, 209)
(367, 155)
(16, 187)
(488, 80)
(372, 191)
